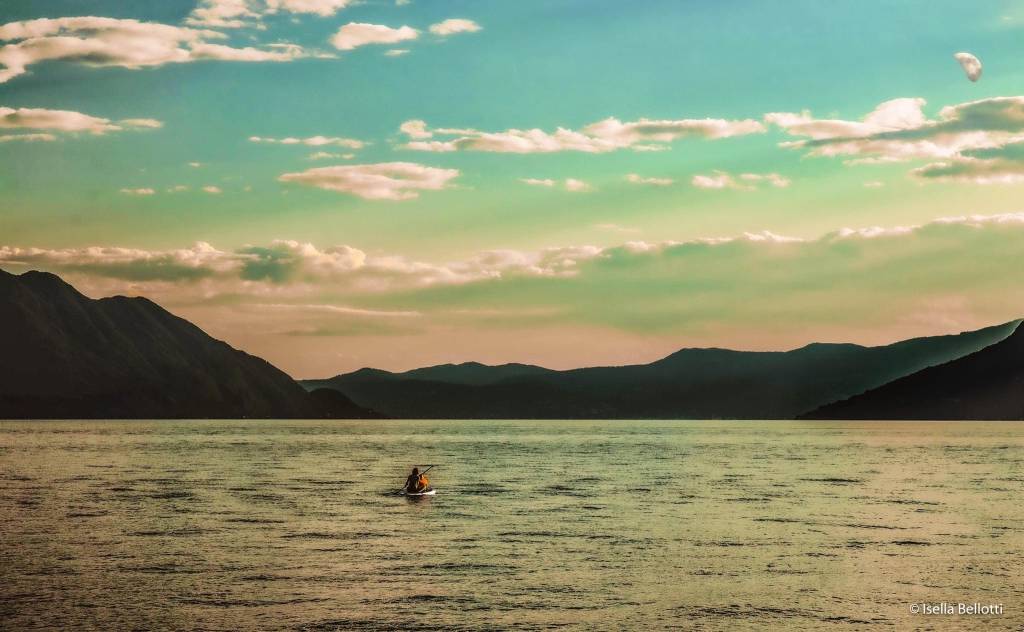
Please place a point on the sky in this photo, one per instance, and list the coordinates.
(333, 184)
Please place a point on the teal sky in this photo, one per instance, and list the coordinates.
(478, 264)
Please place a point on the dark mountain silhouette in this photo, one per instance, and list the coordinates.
(63, 355)
(68, 356)
(987, 384)
(474, 373)
(692, 383)
(331, 404)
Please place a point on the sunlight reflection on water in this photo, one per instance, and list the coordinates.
(609, 525)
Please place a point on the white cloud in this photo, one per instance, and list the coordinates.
(970, 64)
(745, 181)
(142, 122)
(397, 52)
(720, 180)
(198, 261)
(382, 181)
(195, 165)
(658, 182)
(896, 114)
(452, 26)
(63, 121)
(978, 220)
(97, 41)
(603, 136)
(213, 190)
(774, 179)
(142, 191)
(223, 14)
(323, 8)
(256, 270)
(973, 170)
(326, 155)
(356, 34)
(538, 182)
(415, 129)
(284, 261)
(228, 14)
(898, 130)
(27, 138)
(569, 184)
(699, 292)
(977, 142)
(312, 141)
(874, 184)
(178, 188)
(630, 134)
(970, 221)
(219, 52)
(66, 121)
(430, 145)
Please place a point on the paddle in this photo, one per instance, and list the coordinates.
(429, 467)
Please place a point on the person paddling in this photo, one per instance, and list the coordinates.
(416, 482)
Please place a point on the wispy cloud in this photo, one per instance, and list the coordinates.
(326, 155)
(146, 123)
(356, 34)
(99, 41)
(573, 185)
(339, 309)
(973, 142)
(27, 138)
(452, 26)
(312, 141)
(223, 14)
(834, 280)
(67, 121)
(381, 181)
(227, 14)
(745, 181)
(973, 170)
(600, 137)
(576, 186)
(415, 129)
(658, 182)
(323, 8)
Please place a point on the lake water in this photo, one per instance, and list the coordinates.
(537, 525)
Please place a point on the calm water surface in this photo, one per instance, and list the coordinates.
(537, 525)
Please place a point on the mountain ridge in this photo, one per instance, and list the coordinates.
(987, 384)
(688, 383)
(70, 356)
(67, 355)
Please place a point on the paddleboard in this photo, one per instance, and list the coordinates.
(427, 492)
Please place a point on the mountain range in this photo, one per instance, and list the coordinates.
(689, 384)
(68, 356)
(988, 384)
(64, 355)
